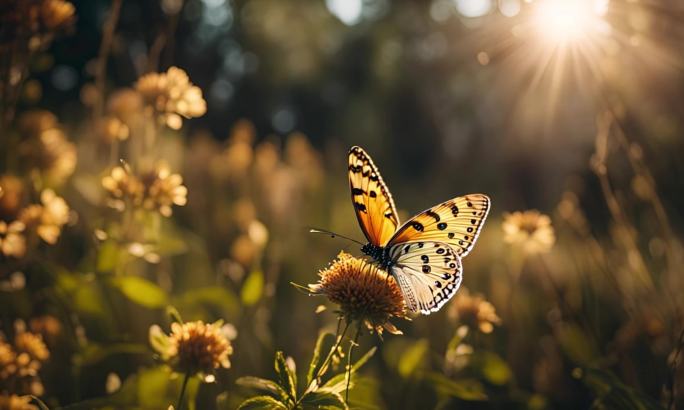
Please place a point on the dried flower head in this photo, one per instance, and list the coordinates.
(473, 311)
(163, 190)
(171, 96)
(123, 188)
(193, 347)
(362, 291)
(14, 402)
(531, 230)
(48, 218)
(12, 239)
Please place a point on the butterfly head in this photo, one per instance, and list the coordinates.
(378, 253)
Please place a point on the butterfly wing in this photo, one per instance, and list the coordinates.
(456, 222)
(372, 200)
(428, 273)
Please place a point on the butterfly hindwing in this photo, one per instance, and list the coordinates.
(372, 200)
(456, 222)
(428, 273)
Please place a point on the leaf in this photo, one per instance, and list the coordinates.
(286, 377)
(205, 300)
(413, 358)
(262, 402)
(141, 291)
(264, 385)
(94, 353)
(324, 399)
(253, 288)
(612, 393)
(492, 367)
(338, 383)
(576, 344)
(464, 389)
(108, 256)
(316, 358)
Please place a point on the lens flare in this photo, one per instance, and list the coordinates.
(566, 21)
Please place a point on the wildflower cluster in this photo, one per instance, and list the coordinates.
(21, 361)
(155, 190)
(530, 230)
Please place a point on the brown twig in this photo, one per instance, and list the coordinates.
(101, 63)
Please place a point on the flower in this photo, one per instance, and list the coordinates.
(47, 326)
(362, 291)
(46, 147)
(193, 347)
(57, 14)
(14, 402)
(11, 195)
(12, 240)
(122, 188)
(164, 189)
(530, 230)
(31, 344)
(47, 219)
(7, 357)
(473, 311)
(172, 96)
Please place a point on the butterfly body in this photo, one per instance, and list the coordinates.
(424, 254)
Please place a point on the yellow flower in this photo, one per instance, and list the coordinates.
(164, 190)
(7, 358)
(31, 344)
(193, 347)
(14, 402)
(531, 230)
(172, 96)
(362, 291)
(47, 219)
(473, 311)
(123, 188)
(12, 240)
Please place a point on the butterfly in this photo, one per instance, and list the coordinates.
(424, 253)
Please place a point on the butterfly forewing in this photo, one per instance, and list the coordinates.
(428, 273)
(456, 222)
(372, 200)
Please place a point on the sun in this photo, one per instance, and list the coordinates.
(568, 21)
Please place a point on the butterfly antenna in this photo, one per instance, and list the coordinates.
(333, 235)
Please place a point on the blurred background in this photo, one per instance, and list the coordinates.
(128, 185)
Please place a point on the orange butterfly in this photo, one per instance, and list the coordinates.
(424, 254)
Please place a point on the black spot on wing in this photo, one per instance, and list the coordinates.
(442, 226)
(433, 214)
(417, 226)
(361, 207)
(357, 191)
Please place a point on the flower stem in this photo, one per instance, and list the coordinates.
(349, 361)
(326, 362)
(182, 392)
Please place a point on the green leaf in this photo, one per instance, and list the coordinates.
(316, 358)
(262, 403)
(464, 389)
(205, 300)
(141, 291)
(413, 358)
(108, 256)
(492, 367)
(253, 288)
(264, 385)
(613, 394)
(577, 344)
(338, 383)
(94, 353)
(286, 375)
(324, 399)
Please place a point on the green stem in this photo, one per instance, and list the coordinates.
(182, 392)
(326, 362)
(349, 362)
